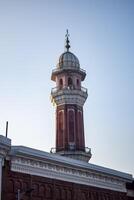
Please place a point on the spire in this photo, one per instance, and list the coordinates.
(67, 41)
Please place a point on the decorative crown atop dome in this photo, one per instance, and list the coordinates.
(68, 59)
(67, 41)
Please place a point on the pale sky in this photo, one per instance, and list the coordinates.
(32, 34)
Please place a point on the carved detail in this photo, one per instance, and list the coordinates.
(57, 190)
(87, 177)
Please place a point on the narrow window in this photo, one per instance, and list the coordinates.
(60, 142)
(70, 81)
(61, 83)
(80, 130)
(78, 83)
(71, 125)
(10, 186)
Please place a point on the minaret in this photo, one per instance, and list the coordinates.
(69, 97)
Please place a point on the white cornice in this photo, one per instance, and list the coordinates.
(55, 171)
(34, 153)
(68, 96)
(69, 99)
(35, 162)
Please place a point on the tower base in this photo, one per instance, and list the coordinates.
(77, 154)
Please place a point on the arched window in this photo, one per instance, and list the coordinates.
(80, 129)
(71, 125)
(48, 192)
(70, 82)
(78, 83)
(18, 185)
(61, 83)
(42, 190)
(10, 186)
(60, 139)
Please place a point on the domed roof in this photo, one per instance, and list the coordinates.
(68, 59)
(68, 62)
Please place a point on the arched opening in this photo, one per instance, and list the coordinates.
(70, 83)
(71, 127)
(78, 83)
(61, 83)
(60, 129)
(80, 130)
(10, 186)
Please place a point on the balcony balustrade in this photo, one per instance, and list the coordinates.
(83, 149)
(69, 88)
(68, 68)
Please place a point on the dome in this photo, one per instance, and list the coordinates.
(68, 59)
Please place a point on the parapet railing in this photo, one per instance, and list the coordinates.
(66, 68)
(56, 89)
(72, 149)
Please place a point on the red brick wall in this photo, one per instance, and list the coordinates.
(69, 127)
(50, 189)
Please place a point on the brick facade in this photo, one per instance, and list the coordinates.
(50, 189)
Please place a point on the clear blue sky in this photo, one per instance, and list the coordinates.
(102, 37)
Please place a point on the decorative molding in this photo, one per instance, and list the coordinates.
(73, 70)
(66, 173)
(5, 145)
(69, 99)
(68, 96)
(27, 152)
(77, 154)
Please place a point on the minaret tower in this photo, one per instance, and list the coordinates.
(69, 97)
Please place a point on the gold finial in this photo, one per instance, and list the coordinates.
(67, 41)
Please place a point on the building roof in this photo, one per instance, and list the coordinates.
(41, 155)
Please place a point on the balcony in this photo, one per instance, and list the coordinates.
(68, 68)
(82, 149)
(81, 153)
(68, 89)
(69, 95)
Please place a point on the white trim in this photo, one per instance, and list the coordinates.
(35, 162)
(77, 97)
(42, 155)
(66, 173)
(63, 125)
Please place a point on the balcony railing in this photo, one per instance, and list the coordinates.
(84, 89)
(57, 89)
(66, 68)
(61, 149)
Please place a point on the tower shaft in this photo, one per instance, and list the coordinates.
(69, 128)
(69, 97)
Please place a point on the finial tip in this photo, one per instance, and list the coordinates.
(67, 40)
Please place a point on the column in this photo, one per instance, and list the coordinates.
(1, 161)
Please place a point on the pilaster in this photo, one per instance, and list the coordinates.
(5, 145)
